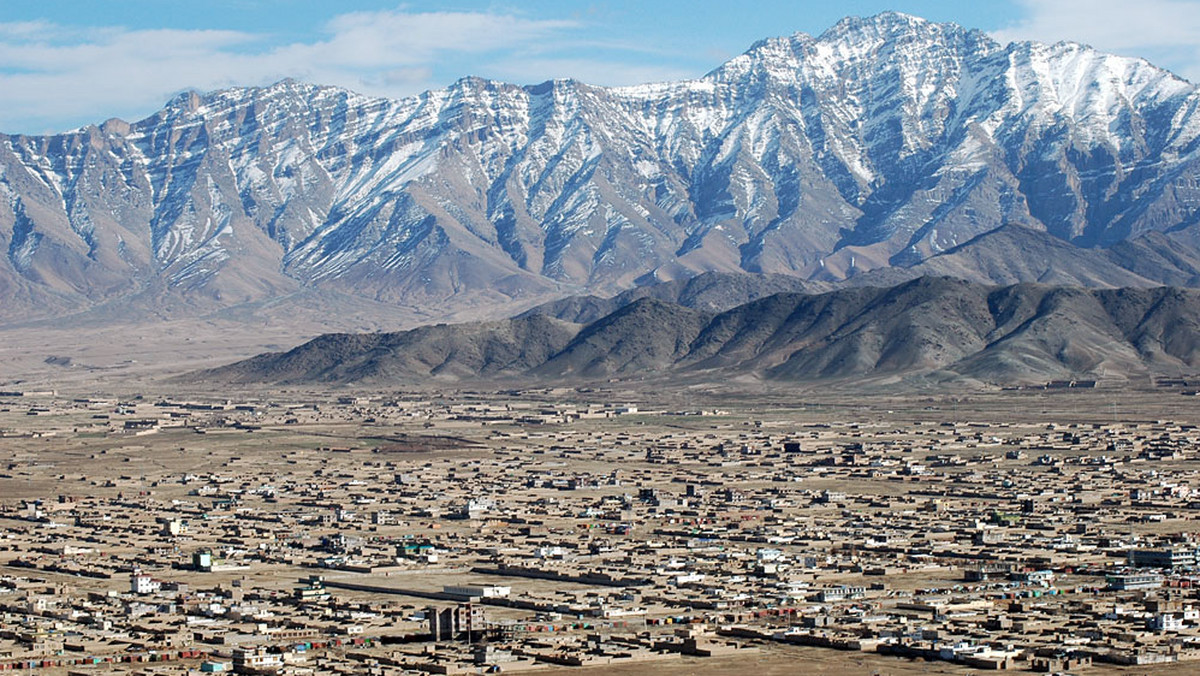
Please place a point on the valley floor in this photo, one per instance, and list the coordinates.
(617, 529)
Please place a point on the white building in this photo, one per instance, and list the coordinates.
(1166, 622)
(256, 660)
(477, 592)
(140, 583)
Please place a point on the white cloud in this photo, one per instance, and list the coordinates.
(592, 71)
(1166, 32)
(51, 74)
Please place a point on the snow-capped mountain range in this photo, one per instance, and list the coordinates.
(886, 142)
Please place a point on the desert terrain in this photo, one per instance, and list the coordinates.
(608, 528)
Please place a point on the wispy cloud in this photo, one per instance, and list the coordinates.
(51, 73)
(1166, 32)
(54, 76)
(591, 71)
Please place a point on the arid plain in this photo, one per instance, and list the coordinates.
(614, 528)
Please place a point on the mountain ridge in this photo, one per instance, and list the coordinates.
(931, 327)
(881, 144)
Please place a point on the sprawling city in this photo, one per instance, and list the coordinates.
(692, 338)
(1048, 529)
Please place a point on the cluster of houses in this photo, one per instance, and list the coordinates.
(449, 534)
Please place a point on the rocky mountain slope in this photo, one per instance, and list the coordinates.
(943, 327)
(886, 142)
(708, 291)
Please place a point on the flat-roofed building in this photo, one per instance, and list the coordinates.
(1134, 581)
(1169, 558)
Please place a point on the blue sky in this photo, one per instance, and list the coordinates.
(68, 63)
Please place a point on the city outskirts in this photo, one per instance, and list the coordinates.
(501, 531)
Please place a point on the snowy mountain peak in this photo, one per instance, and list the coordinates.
(884, 142)
(883, 24)
(865, 33)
